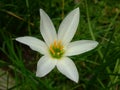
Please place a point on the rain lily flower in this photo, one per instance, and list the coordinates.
(57, 46)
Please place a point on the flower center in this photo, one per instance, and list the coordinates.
(56, 49)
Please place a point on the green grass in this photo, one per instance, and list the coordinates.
(99, 69)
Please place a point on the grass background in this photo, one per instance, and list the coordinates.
(99, 69)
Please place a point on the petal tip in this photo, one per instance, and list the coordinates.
(38, 75)
(96, 43)
(76, 79)
(18, 39)
(42, 12)
(77, 10)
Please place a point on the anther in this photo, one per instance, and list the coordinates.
(51, 49)
(55, 43)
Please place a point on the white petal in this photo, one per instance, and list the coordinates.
(46, 28)
(79, 47)
(44, 66)
(69, 26)
(68, 68)
(34, 44)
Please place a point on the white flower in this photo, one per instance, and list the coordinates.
(57, 47)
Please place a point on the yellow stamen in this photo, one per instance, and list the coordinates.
(59, 44)
(61, 47)
(51, 49)
(55, 44)
(56, 49)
